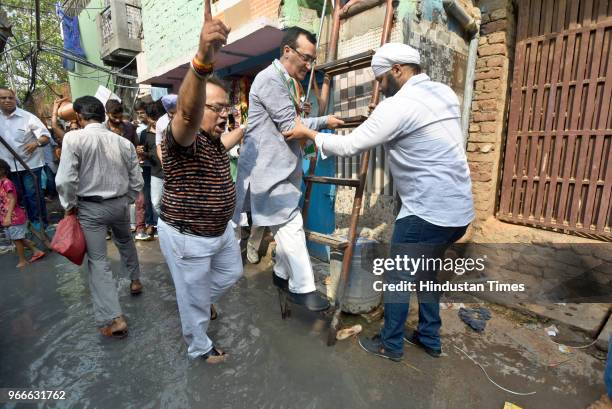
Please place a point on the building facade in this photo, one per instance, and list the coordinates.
(539, 139)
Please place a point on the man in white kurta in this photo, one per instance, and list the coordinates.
(419, 125)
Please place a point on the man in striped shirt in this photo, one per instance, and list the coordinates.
(195, 235)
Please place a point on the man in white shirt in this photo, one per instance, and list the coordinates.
(419, 124)
(98, 177)
(157, 184)
(26, 134)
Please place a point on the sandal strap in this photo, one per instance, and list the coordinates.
(213, 352)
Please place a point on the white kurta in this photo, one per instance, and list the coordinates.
(420, 128)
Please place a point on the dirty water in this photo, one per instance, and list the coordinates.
(49, 342)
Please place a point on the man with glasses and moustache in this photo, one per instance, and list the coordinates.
(270, 168)
(195, 233)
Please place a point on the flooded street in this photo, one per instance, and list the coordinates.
(49, 342)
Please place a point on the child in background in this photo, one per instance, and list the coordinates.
(14, 218)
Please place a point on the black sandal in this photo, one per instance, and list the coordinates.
(215, 354)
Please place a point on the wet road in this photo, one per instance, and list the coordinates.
(49, 341)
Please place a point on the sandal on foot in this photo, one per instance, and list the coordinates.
(37, 256)
(213, 312)
(214, 356)
(117, 329)
(135, 287)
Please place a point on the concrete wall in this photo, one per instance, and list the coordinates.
(85, 80)
(171, 29)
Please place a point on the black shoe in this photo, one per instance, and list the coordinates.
(214, 356)
(411, 337)
(280, 282)
(312, 300)
(374, 346)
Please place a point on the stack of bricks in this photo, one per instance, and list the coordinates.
(489, 106)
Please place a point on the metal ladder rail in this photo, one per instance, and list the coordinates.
(333, 68)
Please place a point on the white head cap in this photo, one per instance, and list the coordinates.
(393, 53)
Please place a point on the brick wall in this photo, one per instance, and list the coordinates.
(491, 86)
(488, 128)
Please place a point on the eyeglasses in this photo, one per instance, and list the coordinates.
(221, 109)
(308, 59)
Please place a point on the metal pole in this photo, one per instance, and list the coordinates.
(312, 70)
(357, 202)
(332, 53)
(386, 35)
(37, 17)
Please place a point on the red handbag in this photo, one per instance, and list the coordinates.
(69, 240)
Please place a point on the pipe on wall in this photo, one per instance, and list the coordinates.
(472, 27)
(331, 56)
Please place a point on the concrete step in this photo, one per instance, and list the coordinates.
(603, 340)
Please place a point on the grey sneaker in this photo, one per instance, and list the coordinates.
(374, 346)
(252, 254)
(142, 236)
(412, 337)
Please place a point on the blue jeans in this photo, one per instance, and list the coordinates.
(415, 237)
(26, 190)
(50, 189)
(608, 374)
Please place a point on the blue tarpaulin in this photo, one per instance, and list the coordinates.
(72, 37)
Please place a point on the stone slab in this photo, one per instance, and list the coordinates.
(603, 340)
(588, 318)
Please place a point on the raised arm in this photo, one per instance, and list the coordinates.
(275, 98)
(192, 95)
(58, 131)
(230, 139)
(383, 125)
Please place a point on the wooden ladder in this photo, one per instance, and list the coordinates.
(331, 68)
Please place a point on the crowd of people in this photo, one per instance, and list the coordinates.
(173, 167)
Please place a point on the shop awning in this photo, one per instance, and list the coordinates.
(260, 37)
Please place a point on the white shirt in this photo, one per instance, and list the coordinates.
(140, 128)
(420, 129)
(97, 162)
(160, 127)
(19, 129)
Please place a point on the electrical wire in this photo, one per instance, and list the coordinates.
(578, 347)
(10, 6)
(113, 84)
(489, 378)
(17, 46)
(62, 53)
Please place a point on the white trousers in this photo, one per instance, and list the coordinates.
(292, 259)
(157, 190)
(203, 269)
